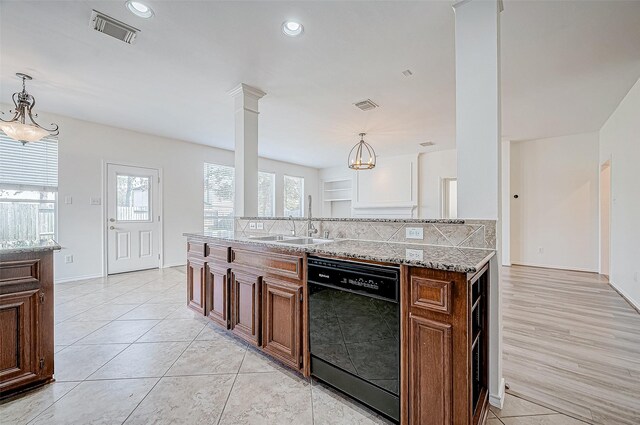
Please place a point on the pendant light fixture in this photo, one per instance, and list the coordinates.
(362, 155)
(22, 127)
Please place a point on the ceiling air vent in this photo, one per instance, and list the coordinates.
(366, 105)
(110, 26)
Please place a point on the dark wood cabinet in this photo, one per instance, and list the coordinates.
(217, 293)
(245, 305)
(282, 320)
(26, 321)
(196, 280)
(443, 377)
(19, 330)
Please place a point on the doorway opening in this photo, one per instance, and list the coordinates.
(133, 231)
(449, 198)
(605, 218)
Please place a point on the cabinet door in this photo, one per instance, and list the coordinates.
(19, 362)
(281, 321)
(218, 293)
(430, 372)
(245, 306)
(196, 283)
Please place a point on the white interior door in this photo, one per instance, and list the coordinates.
(133, 218)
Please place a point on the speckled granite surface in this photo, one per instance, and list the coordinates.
(13, 247)
(375, 220)
(466, 260)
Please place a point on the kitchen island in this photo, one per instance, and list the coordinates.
(258, 287)
(26, 315)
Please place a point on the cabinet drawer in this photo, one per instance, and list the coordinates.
(431, 294)
(217, 252)
(278, 264)
(195, 248)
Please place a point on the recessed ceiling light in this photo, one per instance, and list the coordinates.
(292, 28)
(139, 9)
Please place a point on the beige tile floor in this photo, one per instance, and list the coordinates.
(128, 351)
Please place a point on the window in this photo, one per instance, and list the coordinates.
(219, 183)
(28, 189)
(266, 194)
(293, 196)
(133, 198)
(449, 198)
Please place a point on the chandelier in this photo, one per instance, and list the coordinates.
(22, 127)
(362, 155)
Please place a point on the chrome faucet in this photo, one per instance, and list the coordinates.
(293, 225)
(311, 229)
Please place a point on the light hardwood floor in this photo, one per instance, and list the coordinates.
(572, 343)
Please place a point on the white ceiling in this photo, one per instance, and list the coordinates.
(565, 66)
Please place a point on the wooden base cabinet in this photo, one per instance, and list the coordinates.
(26, 321)
(443, 372)
(217, 293)
(245, 305)
(282, 320)
(196, 280)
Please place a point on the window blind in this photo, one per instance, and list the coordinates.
(266, 194)
(219, 187)
(33, 166)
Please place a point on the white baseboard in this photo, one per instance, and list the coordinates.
(635, 304)
(547, 266)
(76, 278)
(166, 266)
(497, 400)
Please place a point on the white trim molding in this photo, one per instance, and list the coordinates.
(497, 400)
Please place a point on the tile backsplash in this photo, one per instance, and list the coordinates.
(460, 233)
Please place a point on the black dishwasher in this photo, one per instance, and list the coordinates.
(354, 330)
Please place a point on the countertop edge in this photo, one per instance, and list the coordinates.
(317, 249)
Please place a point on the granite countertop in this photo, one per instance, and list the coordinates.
(13, 247)
(376, 220)
(466, 260)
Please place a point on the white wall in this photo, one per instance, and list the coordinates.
(556, 180)
(620, 143)
(83, 146)
(432, 168)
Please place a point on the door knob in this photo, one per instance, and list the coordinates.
(111, 227)
(112, 220)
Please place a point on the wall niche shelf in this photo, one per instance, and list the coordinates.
(337, 195)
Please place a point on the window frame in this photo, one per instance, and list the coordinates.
(273, 194)
(284, 196)
(210, 229)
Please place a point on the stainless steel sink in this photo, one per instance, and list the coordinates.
(293, 240)
(306, 241)
(274, 238)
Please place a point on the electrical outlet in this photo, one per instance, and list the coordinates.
(540, 250)
(68, 200)
(414, 254)
(252, 226)
(414, 233)
(260, 226)
(68, 259)
(95, 201)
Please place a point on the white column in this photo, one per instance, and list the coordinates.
(246, 149)
(478, 139)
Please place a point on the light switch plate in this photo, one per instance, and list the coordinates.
(68, 200)
(252, 226)
(260, 226)
(68, 259)
(414, 233)
(414, 254)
